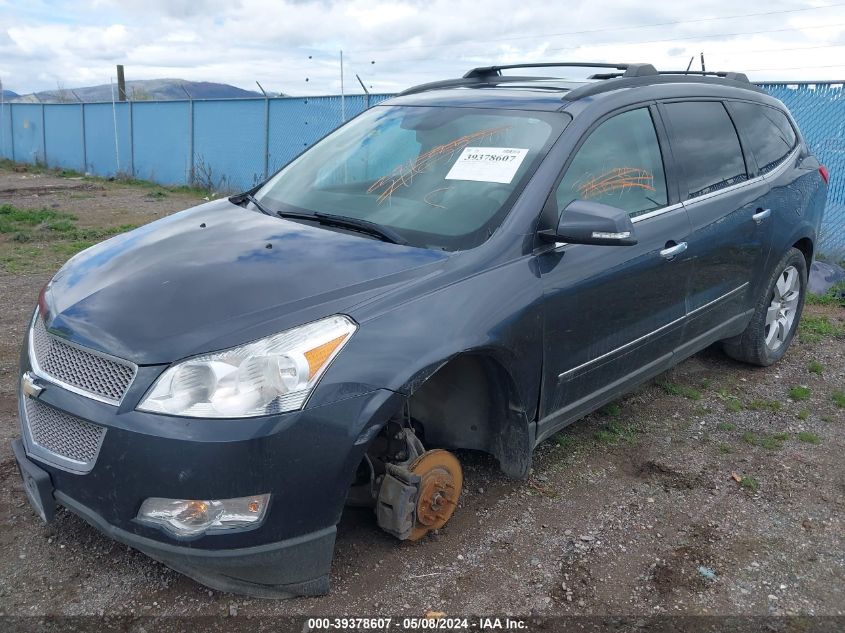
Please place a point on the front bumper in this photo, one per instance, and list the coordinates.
(295, 567)
(306, 460)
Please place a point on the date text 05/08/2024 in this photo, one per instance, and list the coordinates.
(410, 624)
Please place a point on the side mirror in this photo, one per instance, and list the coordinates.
(585, 222)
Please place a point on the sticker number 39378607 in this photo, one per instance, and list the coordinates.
(487, 164)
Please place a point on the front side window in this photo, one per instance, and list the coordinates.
(768, 131)
(440, 177)
(619, 165)
(705, 142)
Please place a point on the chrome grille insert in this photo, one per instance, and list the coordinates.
(61, 439)
(90, 373)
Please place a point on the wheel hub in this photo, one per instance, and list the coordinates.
(440, 488)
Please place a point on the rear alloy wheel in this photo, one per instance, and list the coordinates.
(784, 307)
(776, 314)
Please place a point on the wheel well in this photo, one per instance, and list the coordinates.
(805, 245)
(471, 402)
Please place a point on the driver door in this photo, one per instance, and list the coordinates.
(613, 314)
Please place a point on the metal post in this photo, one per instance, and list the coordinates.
(84, 142)
(12, 129)
(114, 118)
(191, 139)
(342, 95)
(364, 88)
(266, 131)
(190, 136)
(43, 137)
(131, 140)
(2, 111)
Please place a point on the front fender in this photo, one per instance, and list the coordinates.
(497, 312)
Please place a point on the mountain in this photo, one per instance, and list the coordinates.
(143, 90)
(8, 95)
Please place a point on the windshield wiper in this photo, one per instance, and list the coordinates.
(248, 197)
(341, 221)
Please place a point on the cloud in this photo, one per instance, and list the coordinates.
(293, 46)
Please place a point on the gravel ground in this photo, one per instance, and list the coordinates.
(707, 491)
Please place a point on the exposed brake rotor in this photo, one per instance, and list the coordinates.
(439, 490)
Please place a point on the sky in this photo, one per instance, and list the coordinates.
(293, 46)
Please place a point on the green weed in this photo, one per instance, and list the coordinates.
(815, 328)
(674, 389)
(809, 438)
(799, 393)
(749, 483)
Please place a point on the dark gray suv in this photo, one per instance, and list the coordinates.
(473, 264)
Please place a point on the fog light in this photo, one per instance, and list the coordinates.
(191, 517)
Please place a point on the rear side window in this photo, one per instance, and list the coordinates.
(769, 133)
(705, 143)
(619, 165)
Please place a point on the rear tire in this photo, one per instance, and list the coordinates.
(776, 314)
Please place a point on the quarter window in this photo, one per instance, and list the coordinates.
(769, 133)
(705, 143)
(619, 165)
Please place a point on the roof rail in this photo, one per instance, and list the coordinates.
(491, 80)
(725, 75)
(630, 70)
(625, 76)
(734, 80)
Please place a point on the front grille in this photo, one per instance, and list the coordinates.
(89, 372)
(60, 438)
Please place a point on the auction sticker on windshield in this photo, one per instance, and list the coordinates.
(487, 164)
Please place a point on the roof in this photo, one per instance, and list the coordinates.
(488, 87)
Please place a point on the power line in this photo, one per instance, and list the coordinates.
(602, 30)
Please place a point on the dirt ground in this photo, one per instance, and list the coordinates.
(716, 489)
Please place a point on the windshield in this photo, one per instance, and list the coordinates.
(439, 177)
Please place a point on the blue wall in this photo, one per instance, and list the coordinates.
(64, 142)
(231, 144)
(27, 133)
(108, 143)
(161, 135)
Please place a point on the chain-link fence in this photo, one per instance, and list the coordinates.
(819, 109)
(231, 144)
(218, 144)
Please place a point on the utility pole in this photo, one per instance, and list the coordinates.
(121, 84)
(702, 62)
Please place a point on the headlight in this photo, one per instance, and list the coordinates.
(187, 517)
(271, 375)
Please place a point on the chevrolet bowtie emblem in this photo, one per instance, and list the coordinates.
(29, 386)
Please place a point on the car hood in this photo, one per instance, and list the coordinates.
(215, 276)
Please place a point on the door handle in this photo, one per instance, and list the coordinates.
(761, 215)
(670, 251)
